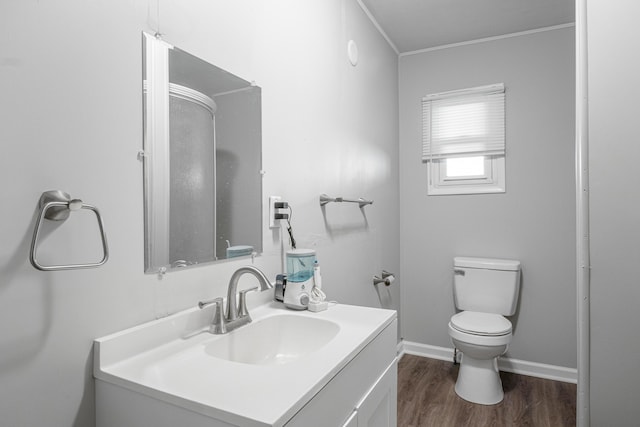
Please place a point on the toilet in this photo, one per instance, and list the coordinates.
(485, 290)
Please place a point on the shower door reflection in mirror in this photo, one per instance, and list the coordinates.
(202, 161)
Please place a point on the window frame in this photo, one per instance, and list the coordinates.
(493, 180)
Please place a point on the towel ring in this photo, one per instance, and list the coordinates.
(56, 205)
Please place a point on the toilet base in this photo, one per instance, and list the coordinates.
(479, 381)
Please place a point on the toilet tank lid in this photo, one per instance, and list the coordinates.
(487, 263)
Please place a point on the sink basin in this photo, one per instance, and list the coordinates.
(259, 375)
(274, 340)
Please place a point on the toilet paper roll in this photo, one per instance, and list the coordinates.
(389, 279)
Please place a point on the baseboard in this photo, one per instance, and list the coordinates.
(522, 367)
(425, 350)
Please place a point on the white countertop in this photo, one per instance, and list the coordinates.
(165, 359)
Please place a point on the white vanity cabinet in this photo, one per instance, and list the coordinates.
(352, 421)
(162, 374)
(365, 390)
(379, 407)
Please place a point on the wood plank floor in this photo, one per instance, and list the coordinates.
(426, 397)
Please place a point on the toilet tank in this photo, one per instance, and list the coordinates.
(486, 285)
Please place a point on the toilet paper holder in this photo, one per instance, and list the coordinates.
(387, 278)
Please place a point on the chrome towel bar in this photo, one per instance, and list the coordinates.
(56, 205)
(324, 199)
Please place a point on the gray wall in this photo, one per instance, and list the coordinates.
(614, 67)
(532, 222)
(71, 108)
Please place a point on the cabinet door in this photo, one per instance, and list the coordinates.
(352, 421)
(379, 406)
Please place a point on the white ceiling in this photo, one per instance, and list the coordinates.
(420, 24)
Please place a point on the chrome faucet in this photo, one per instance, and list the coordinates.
(236, 314)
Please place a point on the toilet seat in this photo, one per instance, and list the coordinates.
(481, 324)
(478, 340)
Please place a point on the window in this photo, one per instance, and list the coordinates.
(463, 141)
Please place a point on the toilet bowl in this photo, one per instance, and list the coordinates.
(485, 290)
(478, 377)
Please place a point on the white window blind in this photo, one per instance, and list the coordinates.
(463, 123)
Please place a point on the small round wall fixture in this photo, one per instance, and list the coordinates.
(352, 51)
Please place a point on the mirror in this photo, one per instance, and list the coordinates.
(202, 160)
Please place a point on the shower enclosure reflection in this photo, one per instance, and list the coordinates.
(192, 156)
(202, 161)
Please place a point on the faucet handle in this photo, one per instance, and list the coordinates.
(203, 304)
(218, 325)
(242, 304)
